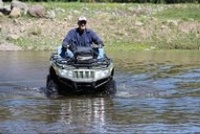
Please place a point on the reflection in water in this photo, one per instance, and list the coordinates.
(86, 112)
(84, 115)
(157, 92)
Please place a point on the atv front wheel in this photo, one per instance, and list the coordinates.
(51, 86)
(110, 88)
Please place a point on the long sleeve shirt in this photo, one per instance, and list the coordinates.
(84, 39)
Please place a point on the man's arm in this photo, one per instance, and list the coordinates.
(67, 41)
(96, 39)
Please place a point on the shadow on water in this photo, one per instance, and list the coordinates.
(156, 92)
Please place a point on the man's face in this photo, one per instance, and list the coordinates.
(82, 25)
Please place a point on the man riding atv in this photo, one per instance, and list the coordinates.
(81, 66)
(81, 37)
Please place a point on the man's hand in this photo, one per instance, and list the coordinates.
(96, 46)
(66, 46)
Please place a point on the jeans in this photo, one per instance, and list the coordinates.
(99, 52)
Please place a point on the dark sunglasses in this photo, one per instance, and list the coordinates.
(82, 22)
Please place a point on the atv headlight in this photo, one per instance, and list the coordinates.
(66, 73)
(61, 72)
(101, 74)
(70, 73)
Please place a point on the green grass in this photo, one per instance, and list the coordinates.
(181, 12)
(95, 9)
(36, 44)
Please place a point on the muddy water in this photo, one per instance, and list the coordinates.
(157, 92)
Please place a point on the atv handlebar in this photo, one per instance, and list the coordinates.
(92, 46)
(96, 46)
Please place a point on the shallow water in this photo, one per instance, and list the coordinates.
(157, 92)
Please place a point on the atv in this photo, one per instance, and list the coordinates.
(83, 73)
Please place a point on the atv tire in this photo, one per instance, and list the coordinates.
(110, 88)
(52, 88)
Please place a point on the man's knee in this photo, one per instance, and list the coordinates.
(62, 51)
(101, 53)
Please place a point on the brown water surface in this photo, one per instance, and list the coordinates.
(157, 92)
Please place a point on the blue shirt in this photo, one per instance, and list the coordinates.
(84, 39)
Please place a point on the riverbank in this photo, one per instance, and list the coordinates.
(121, 26)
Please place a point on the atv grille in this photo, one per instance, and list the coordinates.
(83, 74)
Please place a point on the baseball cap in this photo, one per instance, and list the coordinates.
(82, 18)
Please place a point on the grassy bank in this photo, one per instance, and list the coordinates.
(122, 26)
